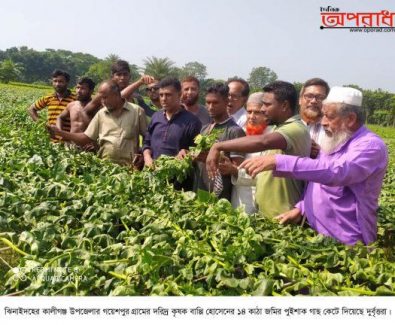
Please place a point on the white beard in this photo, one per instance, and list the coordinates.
(331, 143)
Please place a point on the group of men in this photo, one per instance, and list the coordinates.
(323, 165)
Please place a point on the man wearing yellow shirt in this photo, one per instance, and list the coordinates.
(55, 102)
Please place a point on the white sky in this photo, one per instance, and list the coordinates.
(229, 36)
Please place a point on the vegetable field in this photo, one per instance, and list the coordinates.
(71, 224)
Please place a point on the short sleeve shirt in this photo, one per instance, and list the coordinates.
(118, 137)
(276, 195)
(55, 106)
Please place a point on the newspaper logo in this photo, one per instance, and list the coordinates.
(334, 18)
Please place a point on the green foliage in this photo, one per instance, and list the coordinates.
(298, 86)
(10, 71)
(71, 224)
(378, 105)
(261, 76)
(160, 67)
(195, 69)
(38, 65)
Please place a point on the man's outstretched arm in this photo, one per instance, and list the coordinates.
(80, 139)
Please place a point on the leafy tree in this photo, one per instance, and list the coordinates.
(378, 105)
(160, 67)
(112, 58)
(99, 71)
(354, 86)
(38, 65)
(298, 86)
(234, 77)
(10, 71)
(260, 76)
(195, 69)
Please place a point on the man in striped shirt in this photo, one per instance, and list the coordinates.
(55, 102)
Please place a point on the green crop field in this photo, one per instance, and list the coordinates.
(71, 224)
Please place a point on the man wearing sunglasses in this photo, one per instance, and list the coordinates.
(152, 92)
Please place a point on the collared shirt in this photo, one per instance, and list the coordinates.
(168, 137)
(55, 106)
(240, 117)
(342, 197)
(230, 131)
(118, 137)
(316, 130)
(244, 186)
(276, 195)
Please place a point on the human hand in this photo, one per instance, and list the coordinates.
(226, 167)
(148, 162)
(315, 149)
(182, 154)
(146, 79)
(293, 216)
(52, 129)
(255, 165)
(212, 161)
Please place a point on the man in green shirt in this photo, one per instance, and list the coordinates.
(116, 127)
(274, 195)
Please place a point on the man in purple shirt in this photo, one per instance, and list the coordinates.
(345, 180)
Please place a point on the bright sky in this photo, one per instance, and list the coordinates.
(229, 36)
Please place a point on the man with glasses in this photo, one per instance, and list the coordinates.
(238, 95)
(153, 94)
(345, 180)
(152, 91)
(313, 92)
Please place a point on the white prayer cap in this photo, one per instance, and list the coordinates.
(346, 95)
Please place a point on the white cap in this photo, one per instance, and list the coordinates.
(346, 95)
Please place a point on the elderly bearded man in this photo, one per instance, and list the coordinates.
(345, 180)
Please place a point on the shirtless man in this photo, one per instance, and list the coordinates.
(74, 111)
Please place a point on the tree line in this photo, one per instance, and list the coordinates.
(23, 64)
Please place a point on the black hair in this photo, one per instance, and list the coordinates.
(86, 81)
(170, 82)
(246, 87)
(283, 91)
(192, 79)
(316, 82)
(219, 89)
(57, 73)
(119, 66)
